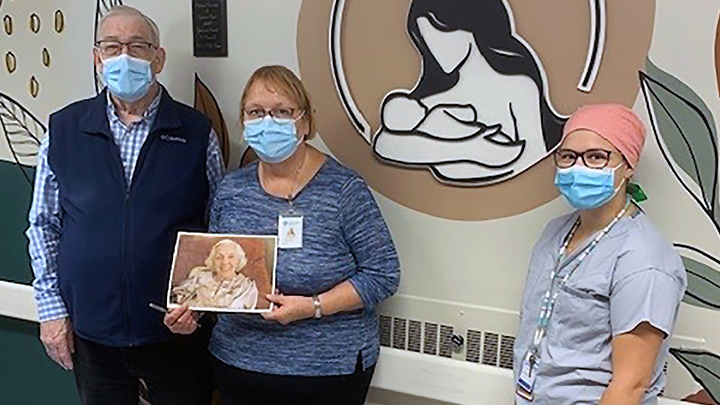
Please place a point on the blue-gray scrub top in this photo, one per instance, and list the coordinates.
(633, 275)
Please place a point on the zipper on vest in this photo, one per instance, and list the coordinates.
(124, 274)
(124, 262)
(127, 244)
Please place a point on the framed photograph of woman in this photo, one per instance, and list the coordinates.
(223, 273)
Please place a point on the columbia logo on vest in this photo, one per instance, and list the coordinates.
(173, 138)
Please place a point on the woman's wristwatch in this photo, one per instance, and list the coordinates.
(317, 306)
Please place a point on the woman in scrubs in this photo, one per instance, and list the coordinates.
(603, 287)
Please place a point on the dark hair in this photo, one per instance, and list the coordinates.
(489, 22)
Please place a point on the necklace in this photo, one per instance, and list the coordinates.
(290, 192)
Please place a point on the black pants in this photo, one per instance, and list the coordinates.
(175, 373)
(241, 387)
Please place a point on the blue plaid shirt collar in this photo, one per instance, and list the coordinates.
(148, 116)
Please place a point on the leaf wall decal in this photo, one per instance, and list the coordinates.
(101, 8)
(704, 367)
(248, 157)
(685, 130)
(22, 132)
(206, 103)
(703, 288)
(700, 397)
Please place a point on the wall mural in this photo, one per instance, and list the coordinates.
(485, 107)
(464, 100)
(687, 135)
(30, 39)
(21, 131)
(479, 111)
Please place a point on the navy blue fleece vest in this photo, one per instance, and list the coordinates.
(116, 245)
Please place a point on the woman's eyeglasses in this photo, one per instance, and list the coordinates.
(278, 113)
(592, 158)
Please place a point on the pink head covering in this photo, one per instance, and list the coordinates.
(616, 123)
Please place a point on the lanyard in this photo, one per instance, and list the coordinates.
(548, 303)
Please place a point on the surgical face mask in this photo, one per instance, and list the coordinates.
(126, 77)
(586, 188)
(273, 140)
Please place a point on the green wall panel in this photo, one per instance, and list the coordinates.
(29, 377)
(15, 197)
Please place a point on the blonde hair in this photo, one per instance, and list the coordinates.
(127, 11)
(284, 81)
(210, 261)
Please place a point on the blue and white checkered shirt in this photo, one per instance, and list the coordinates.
(45, 229)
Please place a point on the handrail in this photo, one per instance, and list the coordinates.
(16, 301)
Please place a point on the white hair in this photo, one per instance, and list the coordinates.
(209, 262)
(127, 11)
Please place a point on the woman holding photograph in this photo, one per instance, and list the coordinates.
(320, 343)
(219, 283)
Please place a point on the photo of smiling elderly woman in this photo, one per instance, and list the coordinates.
(230, 278)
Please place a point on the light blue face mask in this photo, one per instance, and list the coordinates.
(586, 188)
(272, 140)
(128, 78)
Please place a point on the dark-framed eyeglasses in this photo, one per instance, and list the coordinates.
(277, 113)
(134, 47)
(592, 158)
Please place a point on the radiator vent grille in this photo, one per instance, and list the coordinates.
(385, 330)
(446, 344)
(414, 336)
(430, 345)
(399, 333)
(505, 360)
(430, 338)
(474, 343)
(490, 349)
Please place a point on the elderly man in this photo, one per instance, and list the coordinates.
(117, 177)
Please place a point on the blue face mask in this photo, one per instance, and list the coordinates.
(272, 140)
(128, 78)
(586, 188)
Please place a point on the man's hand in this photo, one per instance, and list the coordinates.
(181, 320)
(57, 337)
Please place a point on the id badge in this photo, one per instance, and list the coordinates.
(290, 231)
(527, 375)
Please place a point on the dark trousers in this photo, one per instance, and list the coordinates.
(242, 387)
(175, 373)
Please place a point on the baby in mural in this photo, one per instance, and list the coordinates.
(478, 112)
(219, 284)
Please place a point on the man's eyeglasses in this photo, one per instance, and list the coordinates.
(134, 48)
(592, 158)
(278, 113)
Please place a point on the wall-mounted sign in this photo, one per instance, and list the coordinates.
(210, 28)
(453, 107)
